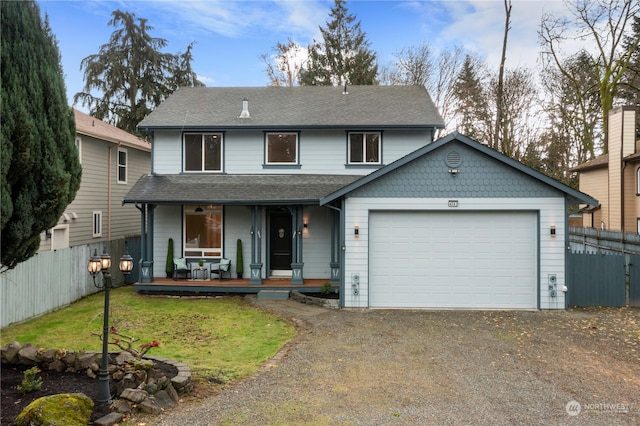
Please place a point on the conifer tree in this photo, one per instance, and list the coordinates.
(40, 170)
(343, 57)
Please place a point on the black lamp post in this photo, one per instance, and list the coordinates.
(102, 264)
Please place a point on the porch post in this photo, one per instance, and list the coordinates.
(297, 264)
(256, 245)
(335, 264)
(146, 274)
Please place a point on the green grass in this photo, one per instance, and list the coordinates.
(223, 338)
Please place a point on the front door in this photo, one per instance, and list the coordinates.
(281, 240)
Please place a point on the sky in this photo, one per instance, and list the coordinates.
(231, 35)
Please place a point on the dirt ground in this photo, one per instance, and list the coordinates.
(401, 367)
(397, 367)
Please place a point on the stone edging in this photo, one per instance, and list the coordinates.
(316, 301)
(182, 382)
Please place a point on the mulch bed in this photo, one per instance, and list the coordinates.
(13, 401)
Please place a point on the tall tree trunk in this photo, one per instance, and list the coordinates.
(499, 101)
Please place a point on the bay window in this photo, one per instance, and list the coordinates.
(203, 231)
(203, 152)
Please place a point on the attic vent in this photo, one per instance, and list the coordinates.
(245, 109)
(453, 159)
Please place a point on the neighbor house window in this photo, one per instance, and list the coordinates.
(364, 148)
(203, 152)
(203, 231)
(97, 224)
(282, 148)
(638, 181)
(79, 149)
(122, 165)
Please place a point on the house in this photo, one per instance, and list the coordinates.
(347, 185)
(614, 178)
(112, 160)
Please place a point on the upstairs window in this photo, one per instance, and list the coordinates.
(79, 148)
(203, 152)
(203, 231)
(122, 165)
(638, 181)
(364, 148)
(282, 148)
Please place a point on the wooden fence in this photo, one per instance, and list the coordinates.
(53, 279)
(591, 240)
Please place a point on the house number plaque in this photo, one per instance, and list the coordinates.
(453, 203)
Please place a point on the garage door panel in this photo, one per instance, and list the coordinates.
(447, 260)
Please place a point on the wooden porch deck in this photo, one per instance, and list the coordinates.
(233, 285)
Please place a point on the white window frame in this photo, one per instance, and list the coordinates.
(122, 166)
(203, 168)
(202, 252)
(296, 161)
(78, 144)
(364, 149)
(638, 181)
(97, 223)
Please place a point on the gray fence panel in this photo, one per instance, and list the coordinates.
(596, 280)
(634, 281)
(53, 279)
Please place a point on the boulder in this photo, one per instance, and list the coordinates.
(9, 353)
(28, 355)
(134, 395)
(67, 409)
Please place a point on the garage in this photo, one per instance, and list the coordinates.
(462, 259)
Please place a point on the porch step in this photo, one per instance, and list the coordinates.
(273, 294)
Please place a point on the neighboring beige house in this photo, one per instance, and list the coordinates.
(112, 161)
(614, 178)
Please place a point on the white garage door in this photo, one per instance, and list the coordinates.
(453, 259)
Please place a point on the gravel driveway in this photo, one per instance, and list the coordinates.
(398, 367)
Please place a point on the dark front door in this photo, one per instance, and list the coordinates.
(280, 240)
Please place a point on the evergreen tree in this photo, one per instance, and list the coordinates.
(343, 57)
(40, 170)
(131, 74)
(471, 106)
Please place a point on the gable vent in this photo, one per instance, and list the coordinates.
(453, 159)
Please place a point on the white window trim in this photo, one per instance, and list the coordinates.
(638, 181)
(78, 144)
(202, 142)
(266, 149)
(126, 165)
(96, 232)
(185, 249)
(364, 147)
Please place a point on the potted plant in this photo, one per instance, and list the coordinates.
(239, 260)
(169, 265)
(200, 263)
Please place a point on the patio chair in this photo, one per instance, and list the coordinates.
(181, 266)
(221, 268)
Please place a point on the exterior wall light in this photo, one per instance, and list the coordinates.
(356, 231)
(552, 231)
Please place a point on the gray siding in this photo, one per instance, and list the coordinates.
(480, 177)
(316, 243)
(167, 224)
(320, 151)
(237, 224)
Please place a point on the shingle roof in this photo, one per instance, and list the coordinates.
(596, 163)
(297, 107)
(90, 126)
(235, 189)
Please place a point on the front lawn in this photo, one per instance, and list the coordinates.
(221, 339)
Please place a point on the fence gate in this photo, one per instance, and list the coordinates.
(634, 280)
(597, 280)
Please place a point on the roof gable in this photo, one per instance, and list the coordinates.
(297, 107)
(424, 173)
(94, 127)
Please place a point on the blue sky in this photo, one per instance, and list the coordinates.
(231, 35)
